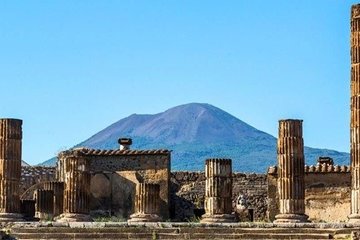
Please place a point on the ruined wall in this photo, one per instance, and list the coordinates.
(327, 193)
(115, 174)
(187, 192)
(34, 175)
(327, 196)
(114, 179)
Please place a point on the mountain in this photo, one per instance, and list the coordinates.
(198, 131)
(24, 164)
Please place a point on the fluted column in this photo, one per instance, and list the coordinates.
(44, 204)
(10, 169)
(355, 115)
(77, 189)
(291, 186)
(58, 189)
(147, 201)
(218, 191)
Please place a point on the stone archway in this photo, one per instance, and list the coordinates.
(28, 194)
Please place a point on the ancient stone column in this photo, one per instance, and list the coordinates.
(44, 204)
(355, 115)
(291, 186)
(218, 191)
(147, 201)
(58, 190)
(10, 169)
(77, 189)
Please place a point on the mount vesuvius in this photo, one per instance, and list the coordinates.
(198, 131)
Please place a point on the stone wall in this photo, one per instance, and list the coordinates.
(35, 175)
(187, 190)
(327, 193)
(115, 173)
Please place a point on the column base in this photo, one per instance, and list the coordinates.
(11, 217)
(217, 218)
(74, 217)
(142, 217)
(291, 218)
(354, 218)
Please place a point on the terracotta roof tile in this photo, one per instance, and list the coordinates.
(117, 152)
(323, 168)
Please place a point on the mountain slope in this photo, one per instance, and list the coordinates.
(198, 131)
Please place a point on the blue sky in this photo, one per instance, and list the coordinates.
(71, 68)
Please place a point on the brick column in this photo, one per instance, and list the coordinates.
(291, 186)
(58, 189)
(147, 201)
(355, 115)
(77, 189)
(44, 204)
(218, 191)
(10, 169)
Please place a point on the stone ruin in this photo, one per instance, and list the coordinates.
(291, 163)
(218, 191)
(137, 185)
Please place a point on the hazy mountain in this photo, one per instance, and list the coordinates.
(24, 164)
(198, 131)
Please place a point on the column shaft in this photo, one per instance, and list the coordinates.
(76, 189)
(218, 191)
(58, 189)
(291, 188)
(10, 168)
(355, 114)
(44, 204)
(147, 200)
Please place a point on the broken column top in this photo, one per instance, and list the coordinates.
(11, 119)
(355, 11)
(222, 160)
(11, 128)
(290, 128)
(218, 167)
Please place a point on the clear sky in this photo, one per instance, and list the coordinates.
(71, 68)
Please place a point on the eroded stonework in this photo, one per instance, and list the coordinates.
(355, 115)
(10, 168)
(291, 189)
(327, 193)
(115, 175)
(218, 191)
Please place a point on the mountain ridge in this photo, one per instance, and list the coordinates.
(197, 131)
